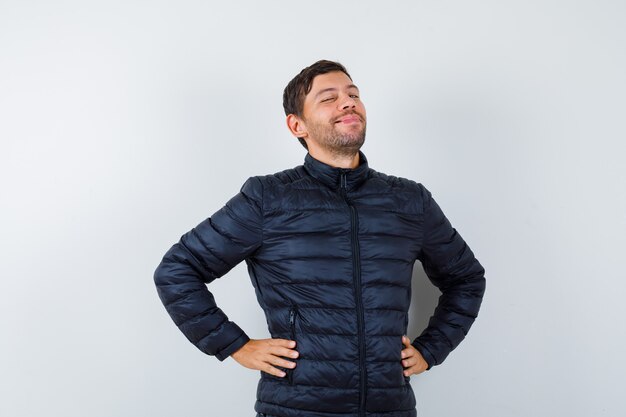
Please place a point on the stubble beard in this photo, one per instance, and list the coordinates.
(338, 143)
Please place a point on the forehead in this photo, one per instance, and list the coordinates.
(335, 79)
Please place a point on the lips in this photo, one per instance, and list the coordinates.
(352, 118)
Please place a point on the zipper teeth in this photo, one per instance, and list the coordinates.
(292, 322)
(357, 290)
(357, 269)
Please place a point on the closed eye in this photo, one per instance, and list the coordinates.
(332, 98)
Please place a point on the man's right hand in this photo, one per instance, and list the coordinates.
(261, 354)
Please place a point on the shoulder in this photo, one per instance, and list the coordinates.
(408, 192)
(257, 185)
(279, 179)
(396, 183)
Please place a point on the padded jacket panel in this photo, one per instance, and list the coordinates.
(330, 252)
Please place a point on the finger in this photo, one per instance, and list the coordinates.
(409, 362)
(282, 342)
(406, 341)
(267, 368)
(283, 351)
(407, 353)
(414, 370)
(275, 360)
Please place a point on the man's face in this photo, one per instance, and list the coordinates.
(334, 115)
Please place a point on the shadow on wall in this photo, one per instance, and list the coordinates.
(424, 298)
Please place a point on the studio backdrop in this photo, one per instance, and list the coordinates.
(125, 124)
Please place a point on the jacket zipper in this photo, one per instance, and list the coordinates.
(356, 274)
(292, 325)
(406, 324)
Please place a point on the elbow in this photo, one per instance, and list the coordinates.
(475, 285)
(158, 276)
(480, 283)
(161, 278)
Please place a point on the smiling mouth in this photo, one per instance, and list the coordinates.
(349, 119)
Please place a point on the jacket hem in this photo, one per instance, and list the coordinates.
(266, 409)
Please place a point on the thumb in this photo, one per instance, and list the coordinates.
(405, 341)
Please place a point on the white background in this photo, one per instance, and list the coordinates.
(124, 124)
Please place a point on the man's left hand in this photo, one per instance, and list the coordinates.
(412, 361)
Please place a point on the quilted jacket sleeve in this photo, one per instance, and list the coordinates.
(205, 253)
(451, 266)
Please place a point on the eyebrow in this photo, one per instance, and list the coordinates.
(334, 89)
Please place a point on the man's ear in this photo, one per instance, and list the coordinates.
(296, 126)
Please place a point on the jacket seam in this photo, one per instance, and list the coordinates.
(335, 308)
(209, 272)
(195, 316)
(355, 361)
(262, 213)
(301, 409)
(208, 249)
(334, 412)
(352, 334)
(185, 295)
(214, 331)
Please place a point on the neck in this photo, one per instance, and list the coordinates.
(334, 159)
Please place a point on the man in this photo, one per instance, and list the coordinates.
(330, 247)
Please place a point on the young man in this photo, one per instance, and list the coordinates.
(330, 247)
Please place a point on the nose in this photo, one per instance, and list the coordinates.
(348, 102)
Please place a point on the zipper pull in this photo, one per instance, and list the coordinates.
(292, 316)
(344, 184)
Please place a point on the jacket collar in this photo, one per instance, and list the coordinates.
(331, 175)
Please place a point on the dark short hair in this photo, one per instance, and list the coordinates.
(300, 86)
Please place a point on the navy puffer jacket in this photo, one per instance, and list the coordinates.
(330, 253)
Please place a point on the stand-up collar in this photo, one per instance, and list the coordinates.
(331, 175)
